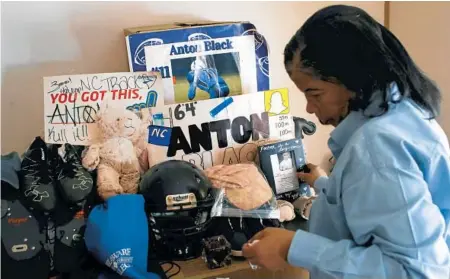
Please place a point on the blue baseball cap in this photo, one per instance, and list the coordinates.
(117, 236)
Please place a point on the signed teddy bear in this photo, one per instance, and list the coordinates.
(120, 155)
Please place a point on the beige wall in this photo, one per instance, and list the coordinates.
(424, 29)
(55, 38)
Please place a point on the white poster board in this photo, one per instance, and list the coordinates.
(219, 131)
(205, 69)
(71, 101)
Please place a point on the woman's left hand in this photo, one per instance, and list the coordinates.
(314, 173)
(269, 248)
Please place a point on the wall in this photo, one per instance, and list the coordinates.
(423, 29)
(55, 38)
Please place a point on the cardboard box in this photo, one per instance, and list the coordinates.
(137, 39)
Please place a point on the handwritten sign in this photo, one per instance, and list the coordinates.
(231, 136)
(71, 102)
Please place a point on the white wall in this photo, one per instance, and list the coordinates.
(55, 38)
(423, 27)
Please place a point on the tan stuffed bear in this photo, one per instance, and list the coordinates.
(120, 155)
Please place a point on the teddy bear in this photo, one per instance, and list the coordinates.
(120, 152)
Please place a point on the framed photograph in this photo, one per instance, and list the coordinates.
(205, 69)
(280, 163)
(206, 77)
(285, 161)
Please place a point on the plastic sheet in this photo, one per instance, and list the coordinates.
(244, 192)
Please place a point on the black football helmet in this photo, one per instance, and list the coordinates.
(179, 198)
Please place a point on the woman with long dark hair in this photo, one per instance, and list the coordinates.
(384, 211)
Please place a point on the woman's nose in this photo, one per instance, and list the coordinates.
(310, 108)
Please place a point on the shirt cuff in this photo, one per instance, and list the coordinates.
(320, 183)
(306, 249)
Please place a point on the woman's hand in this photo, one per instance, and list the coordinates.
(314, 173)
(269, 248)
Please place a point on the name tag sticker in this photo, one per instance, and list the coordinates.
(159, 135)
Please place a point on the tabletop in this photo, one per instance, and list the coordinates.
(239, 269)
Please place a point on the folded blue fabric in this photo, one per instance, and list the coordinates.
(117, 236)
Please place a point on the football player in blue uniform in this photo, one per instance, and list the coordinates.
(207, 79)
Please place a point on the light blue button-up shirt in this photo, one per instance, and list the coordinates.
(384, 212)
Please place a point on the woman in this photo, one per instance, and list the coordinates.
(384, 212)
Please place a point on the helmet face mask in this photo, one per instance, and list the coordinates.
(179, 198)
(178, 236)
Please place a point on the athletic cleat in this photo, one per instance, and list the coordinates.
(74, 181)
(70, 224)
(37, 186)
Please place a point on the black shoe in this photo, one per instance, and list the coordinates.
(74, 181)
(70, 250)
(37, 184)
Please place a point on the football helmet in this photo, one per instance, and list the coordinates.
(179, 198)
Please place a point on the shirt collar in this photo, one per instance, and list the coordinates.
(354, 120)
